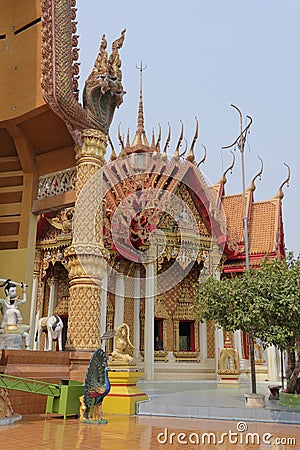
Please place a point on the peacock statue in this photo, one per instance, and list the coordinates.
(96, 387)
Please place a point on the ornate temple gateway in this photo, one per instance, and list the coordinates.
(120, 239)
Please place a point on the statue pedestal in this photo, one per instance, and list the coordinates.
(229, 380)
(124, 393)
(10, 342)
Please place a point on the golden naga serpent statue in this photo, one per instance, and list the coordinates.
(103, 90)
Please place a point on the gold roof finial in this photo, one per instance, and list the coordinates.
(128, 138)
(152, 140)
(127, 147)
(184, 151)
(176, 153)
(223, 179)
(191, 156)
(113, 155)
(204, 157)
(141, 106)
(252, 186)
(122, 153)
(157, 145)
(140, 135)
(167, 142)
(280, 193)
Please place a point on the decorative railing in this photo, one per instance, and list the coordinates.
(56, 183)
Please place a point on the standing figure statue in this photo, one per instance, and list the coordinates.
(12, 321)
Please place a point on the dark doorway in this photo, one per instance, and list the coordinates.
(158, 334)
(186, 336)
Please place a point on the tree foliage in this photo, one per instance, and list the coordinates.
(265, 301)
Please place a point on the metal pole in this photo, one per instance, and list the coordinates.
(240, 141)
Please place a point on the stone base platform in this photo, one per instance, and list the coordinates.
(229, 381)
(10, 341)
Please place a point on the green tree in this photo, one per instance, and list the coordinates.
(264, 303)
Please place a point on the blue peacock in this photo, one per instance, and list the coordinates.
(96, 386)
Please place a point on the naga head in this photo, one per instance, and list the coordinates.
(103, 90)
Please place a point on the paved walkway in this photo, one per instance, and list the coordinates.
(205, 400)
(196, 404)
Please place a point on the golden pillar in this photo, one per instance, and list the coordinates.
(84, 256)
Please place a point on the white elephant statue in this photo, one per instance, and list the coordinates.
(53, 327)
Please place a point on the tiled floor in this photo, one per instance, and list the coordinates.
(157, 431)
(134, 432)
(205, 399)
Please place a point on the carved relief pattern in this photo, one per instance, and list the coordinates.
(109, 323)
(60, 72)
(129, 319)
(84, 317)
(210, 330)
(56, 183)
(186, 197)
(84, 259)
(142, 322)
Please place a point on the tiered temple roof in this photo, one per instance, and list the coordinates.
(265, 226)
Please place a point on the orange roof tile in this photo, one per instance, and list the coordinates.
(263, 227)
(233, 208)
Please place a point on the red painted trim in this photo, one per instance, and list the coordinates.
(229, 378)
(121, 384)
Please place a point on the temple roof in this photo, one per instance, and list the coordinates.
(233, 208)
(263, 230)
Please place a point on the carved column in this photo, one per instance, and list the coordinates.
(237, 342)
(137, 304)
(119, 300)
(34, 295)
(149, 321)
(203, 340)
(53, 283)
(103, 307)
(219, 343)
(84, 256)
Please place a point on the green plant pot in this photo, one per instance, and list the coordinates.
(292, 400)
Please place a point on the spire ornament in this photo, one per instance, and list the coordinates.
(113, 155)
(157, 145)
(164, 156)
(191, 156)
(140, 141)
(176, 153)
(280, 193)
(204, 157)
(229, 169)
(184, 151)
(252, 186)
(121, 141)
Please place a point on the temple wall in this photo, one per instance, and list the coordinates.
(129, 318)
(18, 266)
(20, 63)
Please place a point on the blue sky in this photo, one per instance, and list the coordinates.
(201, 56)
